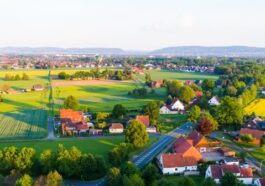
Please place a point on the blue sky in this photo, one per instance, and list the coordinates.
(131, 24)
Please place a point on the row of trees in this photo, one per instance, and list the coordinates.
(69, 163)
(99, 74)
(17, 77)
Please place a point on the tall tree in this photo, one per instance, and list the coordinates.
(229, 179)
(71, 103)
(136, 134)
(207, 124)
(25, 180)
(152, 110)
(118, 111)
(113, 176)
(186, 181)
(150, 174)
(209, 182)
(194, 114)
(230, 112)
(54, 179)
(186, 94)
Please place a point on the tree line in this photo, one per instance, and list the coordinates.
(16, 77)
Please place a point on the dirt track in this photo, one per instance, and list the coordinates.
(87, 82)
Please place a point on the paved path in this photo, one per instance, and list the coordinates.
(51, 129)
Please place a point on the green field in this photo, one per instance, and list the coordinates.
(257, 106)
(100, 146)
(172, 121)
(173, 75)
(26, 124)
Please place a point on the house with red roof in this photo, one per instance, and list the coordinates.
(72, 122)
(116, 128)
(217, 172)
(177, 164)
(186, 149)
(257, 134)
(157, 84)
(198, 141)
(146, 121)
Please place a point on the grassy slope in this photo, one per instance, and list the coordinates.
(100, 146)
(172, 121)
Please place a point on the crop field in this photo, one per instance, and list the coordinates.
(173, 75)
(26, 124)
(257, 106)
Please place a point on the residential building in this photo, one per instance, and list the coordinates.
(176, 163)
(231, 161)
(37, 87)
(217, 172)
(157, 84)
(146, 121)
(198, 141)
(174, 108)
(116, 128)
(214, 101)
(72, 122)
(255, 123)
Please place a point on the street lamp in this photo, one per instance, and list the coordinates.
(261, 164)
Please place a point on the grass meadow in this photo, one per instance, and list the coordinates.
(257, 106)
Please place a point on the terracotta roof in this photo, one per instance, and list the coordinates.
(116, 126)
(177, 160)
(144, 119)
(195, 137)
(181, 145)
(255, 133)
(198, 93)
(73, 116)
(246, 172)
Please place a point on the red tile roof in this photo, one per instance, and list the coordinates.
(144, 119)
(246, 172)
(195, 137)
(177, 160)
(198, 93)
(116, 126)
(73, 116)
(255, 133)
(181, 145)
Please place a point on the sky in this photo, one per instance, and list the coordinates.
(131, 24)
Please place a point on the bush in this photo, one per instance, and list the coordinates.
(246, 138)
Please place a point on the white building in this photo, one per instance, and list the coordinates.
(116, 128)
(231, 161)
(214, 101)
(177, 164)
(177, 105)
(174, 108)
(217, 172)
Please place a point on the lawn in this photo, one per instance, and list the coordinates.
(173, 75)
(198, 180)
(256, 106)
(26, 124)
(172, 121)
(99, 146)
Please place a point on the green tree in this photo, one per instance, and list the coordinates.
(54, 179)
(152, 110)
(262, 140)
(246, 138)
(194, 114)
(150, 174)
(229, 179)
(1, 98)
(166, 182)
(186, 181)
(173, 88)
(230, 112)
(120, 154)
(25, 76)
(130, 169)
(136, 134)
(186, 94)
(136, 180)
(207, 124)
(208, 85)
(24, 160)
(113, 176)
(47, 159)
(118, 111)
(25, 180)
(71, 103)
(209, 182)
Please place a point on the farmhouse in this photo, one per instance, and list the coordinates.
(217, 172)
(198, 141)
(214, 101)
(72, 122)
(116, 128)
(255, 123)
(184, 147)
(37, 87)
(176, 163)
(146, 121)
(174, 108)
(157, 84)
(257, 134)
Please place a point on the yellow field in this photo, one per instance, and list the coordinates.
(257, 106)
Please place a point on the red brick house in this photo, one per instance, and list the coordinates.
(72, 122)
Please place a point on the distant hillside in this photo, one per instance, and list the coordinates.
(54, 50)
(231, 51)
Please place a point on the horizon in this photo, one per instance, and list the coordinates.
(138, 25)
